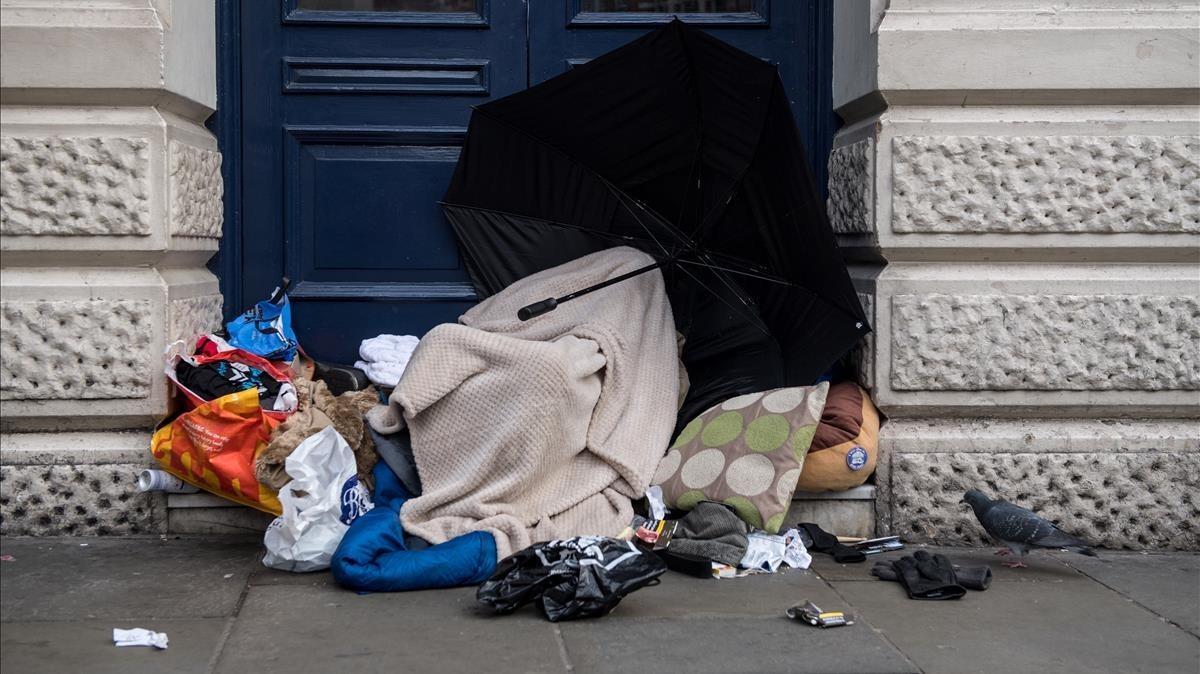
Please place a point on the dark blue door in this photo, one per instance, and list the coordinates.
(353, 112)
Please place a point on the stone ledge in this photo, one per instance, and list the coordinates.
(1096, 54)
(1061, 436)
(75, 447)
(110, 53)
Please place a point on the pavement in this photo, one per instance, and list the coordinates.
(224, 612)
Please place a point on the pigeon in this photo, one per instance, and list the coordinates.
(1020, 529)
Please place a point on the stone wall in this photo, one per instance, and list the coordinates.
(110, 206)
(1019, 190)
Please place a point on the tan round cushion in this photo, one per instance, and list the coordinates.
(846, 444)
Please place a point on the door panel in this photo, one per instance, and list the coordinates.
(354, 114)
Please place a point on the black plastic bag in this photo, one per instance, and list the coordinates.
(572, 578)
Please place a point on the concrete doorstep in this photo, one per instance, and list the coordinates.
(224, 612)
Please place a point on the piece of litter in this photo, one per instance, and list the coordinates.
(139, 637)
(6, 558)
(83, 545)
(228, 575)
(813, 615)
(654, 498)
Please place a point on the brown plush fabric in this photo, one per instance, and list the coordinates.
(849, 421)
(318, 409)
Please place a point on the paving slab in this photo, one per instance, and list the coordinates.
(1042, 565)
(758, 596)
(122, 578)
(728, 625)
(87, 646)
(1168, 585)
(305, 628)
(617, 643)
(265, 576)
(1059, 627)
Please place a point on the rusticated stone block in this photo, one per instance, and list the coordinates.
(1045, 342)
(194, 316)
(90, 499)
(196, 191)
(75, 349)
(862, 354)
(963, 184)
(850, 188)
(1134, 500)
(74, 186)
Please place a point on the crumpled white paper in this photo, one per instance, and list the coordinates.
(139, 637)
(764, 551)
(654, 498)
(767, 552)
(795, 554)
(319, 504)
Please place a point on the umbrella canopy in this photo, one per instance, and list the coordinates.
(685, 147)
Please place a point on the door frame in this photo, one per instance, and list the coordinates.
(226, 125)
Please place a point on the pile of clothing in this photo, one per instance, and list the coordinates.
(498, 435)
(247, 399)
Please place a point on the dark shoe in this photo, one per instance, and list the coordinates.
(341, 378)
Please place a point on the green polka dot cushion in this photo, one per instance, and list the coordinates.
(746, 452)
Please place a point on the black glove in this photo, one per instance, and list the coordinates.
(974, 577)
(823, 541)
(971, 577)
(924, 576)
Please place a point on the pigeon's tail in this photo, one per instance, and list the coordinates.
(1083, 550)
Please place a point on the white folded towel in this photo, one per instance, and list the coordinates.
(385, 357)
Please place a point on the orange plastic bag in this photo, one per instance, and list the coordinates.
(215, 445)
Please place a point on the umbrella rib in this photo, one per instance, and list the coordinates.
(750, 315)
(710, 265)
(621, 196)
(737, 292)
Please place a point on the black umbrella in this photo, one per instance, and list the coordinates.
(685, 147)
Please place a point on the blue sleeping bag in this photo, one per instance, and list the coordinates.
(372, 556)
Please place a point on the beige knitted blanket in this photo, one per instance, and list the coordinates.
(543, 429)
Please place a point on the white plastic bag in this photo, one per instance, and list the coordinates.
(319, 504)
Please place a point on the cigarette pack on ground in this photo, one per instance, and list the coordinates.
(813, 615)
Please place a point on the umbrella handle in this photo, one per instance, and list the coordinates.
(551, 303)
(537, 309)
